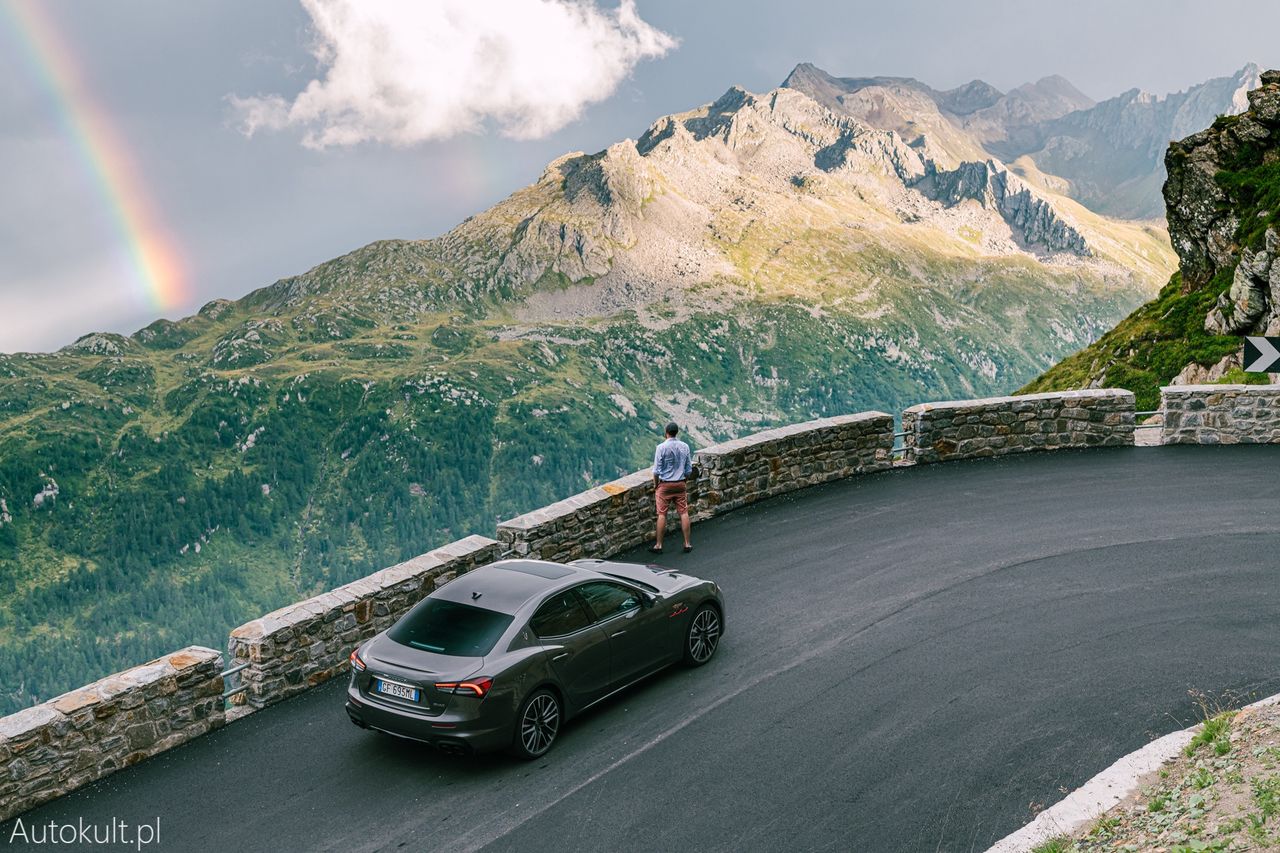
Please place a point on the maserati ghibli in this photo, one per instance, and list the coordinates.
(503, 656)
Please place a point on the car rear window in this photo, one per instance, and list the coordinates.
(449, 628)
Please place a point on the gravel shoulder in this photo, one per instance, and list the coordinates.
(1221, 792)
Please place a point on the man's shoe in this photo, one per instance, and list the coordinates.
(655, 549)
(688, 548)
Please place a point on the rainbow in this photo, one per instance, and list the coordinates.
(154, 254)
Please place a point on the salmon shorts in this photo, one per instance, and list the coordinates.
(672, 492)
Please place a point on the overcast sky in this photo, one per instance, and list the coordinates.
(271, 135)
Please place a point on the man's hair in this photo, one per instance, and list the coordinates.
(672, 429)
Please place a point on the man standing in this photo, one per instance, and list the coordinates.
(672, 464)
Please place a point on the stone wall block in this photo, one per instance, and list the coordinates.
(308, 642)
(1220, 414)
(74, 739)
(601, 522)
(960, 429)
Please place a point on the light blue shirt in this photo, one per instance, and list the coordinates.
(672, 460)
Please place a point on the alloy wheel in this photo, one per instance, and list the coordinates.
(540, 724)
(704, 635)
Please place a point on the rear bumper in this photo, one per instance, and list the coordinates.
(443, 732)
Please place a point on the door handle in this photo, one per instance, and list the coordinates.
(618, 633)
(561, 656)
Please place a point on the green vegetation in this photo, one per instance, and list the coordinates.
(1148, 348)
(1104, 827)
(1237, 376)
(1199, 846)
(1266, 793)
(1222, 793)
(1251, 178)
(1214, 733)
(1159, 339)
(203, 472)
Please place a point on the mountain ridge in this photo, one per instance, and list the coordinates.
(1050, 122)
(753, 261)
(580, 217)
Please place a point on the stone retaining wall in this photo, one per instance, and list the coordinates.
(1220, 414)
(53, 748)
(602, 521)
(58, 746)
(596, 523)
(299, 646)
(996, 426)
(792, 457)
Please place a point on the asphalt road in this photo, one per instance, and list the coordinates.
(914, 661)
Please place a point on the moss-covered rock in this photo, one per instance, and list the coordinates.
(1223, 197)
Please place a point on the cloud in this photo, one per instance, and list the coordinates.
(406, 71)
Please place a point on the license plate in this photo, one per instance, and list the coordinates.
(392, 688)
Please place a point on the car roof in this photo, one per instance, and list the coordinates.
(507, 585)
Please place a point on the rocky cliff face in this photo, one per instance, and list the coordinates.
(1032, 218)
(1221, 193)
(1223, 196)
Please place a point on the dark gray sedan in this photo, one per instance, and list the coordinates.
(502, 656)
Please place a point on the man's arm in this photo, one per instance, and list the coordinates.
(656, 453)
(688, 462)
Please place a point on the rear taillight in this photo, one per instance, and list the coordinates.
(357, 662)
(472, 687)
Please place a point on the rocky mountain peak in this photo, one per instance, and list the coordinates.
(969, 98)
(821, 86)
(1045, 99)
(1109, 153)
(642, 220)
(1055, 85)
(805, 73)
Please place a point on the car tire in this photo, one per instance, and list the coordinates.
(537, 725)
(703, 636)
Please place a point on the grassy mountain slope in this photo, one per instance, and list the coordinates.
(1147, 349)
(754, 262)
(1224, 204)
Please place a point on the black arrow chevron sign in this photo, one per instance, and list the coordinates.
(1261, 355)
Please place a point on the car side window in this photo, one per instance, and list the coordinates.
(559, 615)
(608, 599)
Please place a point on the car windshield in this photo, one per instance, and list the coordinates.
(449, 628)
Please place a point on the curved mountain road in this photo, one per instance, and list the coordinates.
(914, 661)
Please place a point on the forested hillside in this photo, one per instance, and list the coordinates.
(759, 260)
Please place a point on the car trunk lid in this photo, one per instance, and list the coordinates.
(420, 668)
(665, 579)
